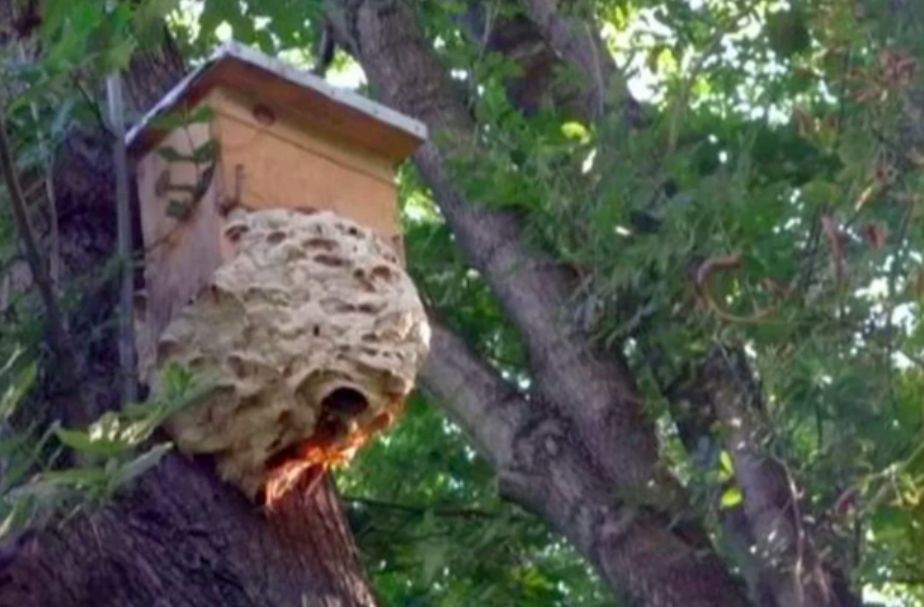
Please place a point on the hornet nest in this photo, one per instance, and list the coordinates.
(312, 334)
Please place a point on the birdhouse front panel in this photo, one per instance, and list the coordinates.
(273, 156)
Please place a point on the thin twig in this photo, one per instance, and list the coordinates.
(47, 154)
(438, 510)
(894, 274)
(124, 228)
(682, 105)
(55, 325)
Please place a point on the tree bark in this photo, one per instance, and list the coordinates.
(181, 538)
(579, 44)
(791, 572)
(543, 466)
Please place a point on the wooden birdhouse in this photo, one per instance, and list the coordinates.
(247, 131)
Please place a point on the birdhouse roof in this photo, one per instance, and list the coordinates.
(342, 111)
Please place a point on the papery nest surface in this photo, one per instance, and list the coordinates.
(313, 334)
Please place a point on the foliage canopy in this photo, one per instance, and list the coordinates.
(769, 194)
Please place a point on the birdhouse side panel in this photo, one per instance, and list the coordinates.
(276, 159)
(181, 227)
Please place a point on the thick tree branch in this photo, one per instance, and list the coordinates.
(488, 408)
(545, 468)
(695, 420)
(583, 49)
(589, 402)
(542, 41)
(583, 396)
(791, 569)
(579, 44)
(771, 500)
(600, 394)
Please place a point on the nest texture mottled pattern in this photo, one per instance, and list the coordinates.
(313, 334)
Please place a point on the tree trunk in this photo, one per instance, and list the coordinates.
(578, 452)
(179, 536)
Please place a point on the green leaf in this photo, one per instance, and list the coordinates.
(20, 382)
(575, 130)
(726, 466)
(82, 442)
(177, 381)
(118, 56)
(203, 114)
(171, 154)
(206, 152)
(819, 193)
(168, 121)
(63, 119)
(731, 497)
(149, 20)
(85, 478)
(433, 556)
(140, 464)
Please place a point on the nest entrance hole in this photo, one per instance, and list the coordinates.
(344, 401)
(340, 403)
